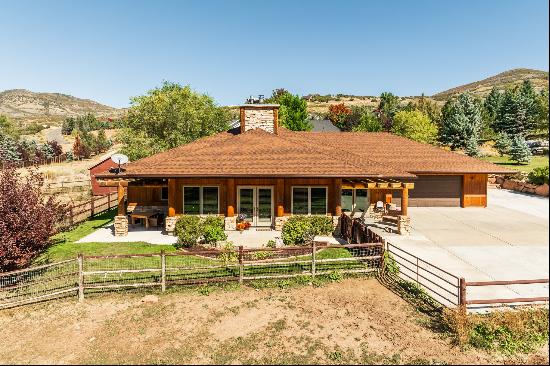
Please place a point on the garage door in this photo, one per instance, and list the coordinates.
(436, 190)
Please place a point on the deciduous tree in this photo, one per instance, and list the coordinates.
(27, 218)
(414, 125)
(169, 116)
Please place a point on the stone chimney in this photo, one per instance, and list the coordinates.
(264, 116)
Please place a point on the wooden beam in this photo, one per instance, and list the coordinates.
(242, 117)
(230, 197)
(405, 202)
(171, 197)
(280, 197)
(382, 185)
(408, 185)
(120, 196)
(337, 196)
(113, 183)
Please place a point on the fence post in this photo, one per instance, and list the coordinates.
(462, 295)
(80, 277)
(162, 270)
(241, 264)
(92, 207)
(383, 254)
(72, 217)
(313, 254)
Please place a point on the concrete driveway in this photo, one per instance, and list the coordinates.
(508, 240)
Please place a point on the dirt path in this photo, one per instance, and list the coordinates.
(354, 321)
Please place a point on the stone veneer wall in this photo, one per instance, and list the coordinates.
(121, 225)
(259, 118)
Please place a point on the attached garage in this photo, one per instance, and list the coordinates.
(436, 190)
(432, 191)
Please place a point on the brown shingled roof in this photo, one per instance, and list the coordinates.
(305, 154)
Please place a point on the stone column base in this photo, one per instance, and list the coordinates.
(279, 222)
(121, 225)
(403, 225)
(170, 224)
(336, 225)
(230, 223)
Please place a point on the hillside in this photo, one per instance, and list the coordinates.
(500, 81)
(26, 106)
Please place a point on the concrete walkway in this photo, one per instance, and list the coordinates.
(508, 240)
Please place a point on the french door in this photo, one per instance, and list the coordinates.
(256, 203)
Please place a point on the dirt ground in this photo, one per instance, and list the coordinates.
(353, 321)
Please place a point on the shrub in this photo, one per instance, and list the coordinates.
(191, 229)
(212, 228)
(188, 230)
(509, 331)
(538, 175)
(300, 230)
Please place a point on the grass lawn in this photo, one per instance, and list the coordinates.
(536, 161)
(65, 246)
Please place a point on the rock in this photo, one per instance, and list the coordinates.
(492, 179)
(499, 179)
(150, 298)
(509, 184)
(542, 190)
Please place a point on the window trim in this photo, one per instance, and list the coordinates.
(201, 202)
(308, 200)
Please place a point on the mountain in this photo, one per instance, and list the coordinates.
(501, 81)
(26, 106)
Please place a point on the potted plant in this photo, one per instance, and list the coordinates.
(242, 224)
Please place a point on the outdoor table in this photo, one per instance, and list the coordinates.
(142, 215)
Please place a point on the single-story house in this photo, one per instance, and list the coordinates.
(268, 173)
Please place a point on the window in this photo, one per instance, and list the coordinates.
(164, 194)
(355, 200)
(201, 201)
(309, 200)
(347, 200)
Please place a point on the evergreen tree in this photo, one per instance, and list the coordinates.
(492, 104)
(503, 143)
(101, 142)
(461, 121)
(9, 149)
(519, 151)
(519, 110)
(472, 148)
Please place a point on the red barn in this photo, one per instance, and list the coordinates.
(101, 167)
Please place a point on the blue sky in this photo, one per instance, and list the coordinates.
(110, 50)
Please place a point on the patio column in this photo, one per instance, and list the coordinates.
(405, 202)
(230, 197)
(171, 197)
(280, 197)
(337, 196)
(120, 196)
